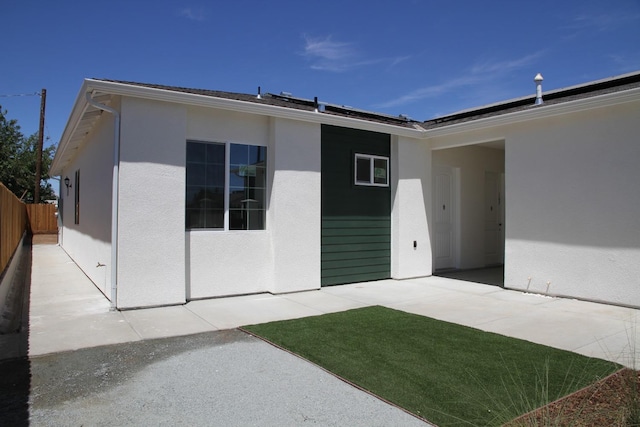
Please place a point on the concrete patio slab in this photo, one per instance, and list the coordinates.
(461, 309)
(381, 292)
(68, 312)
(50, 334)
(323, 301)
(564, 330)
(232, 312)
(622, 347)
(165, 322)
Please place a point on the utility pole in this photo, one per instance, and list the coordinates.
(36, 192)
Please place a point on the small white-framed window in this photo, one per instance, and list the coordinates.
(371, 170)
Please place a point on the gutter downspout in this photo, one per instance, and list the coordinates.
(114, 196)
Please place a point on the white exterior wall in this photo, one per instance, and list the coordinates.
(572, 202)
(89, 243)
(573, 206)
(472, 161)
(151, 241)
(411, 208)
(294, 217)
(223, 263)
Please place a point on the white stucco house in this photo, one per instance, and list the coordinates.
(171, 194)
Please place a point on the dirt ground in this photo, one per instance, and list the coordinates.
(45, 239)
(612, 401)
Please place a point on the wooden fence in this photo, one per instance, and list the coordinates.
(13, 224)
(16, 218)
(42, 219)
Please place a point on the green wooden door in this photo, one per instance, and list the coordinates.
(356, 219)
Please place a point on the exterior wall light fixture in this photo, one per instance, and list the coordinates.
(67, 184)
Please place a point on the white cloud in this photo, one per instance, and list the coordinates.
(193, 15)
(599, 22)
(328, 55)
(625, 62)
(483, 72)
(602, 22)
(505, 66)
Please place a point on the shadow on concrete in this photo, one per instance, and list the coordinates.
(15, 366)
(488, 275)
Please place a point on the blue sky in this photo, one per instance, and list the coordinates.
(422, 58)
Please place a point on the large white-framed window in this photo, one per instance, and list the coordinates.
(371, 170)
(225, 186)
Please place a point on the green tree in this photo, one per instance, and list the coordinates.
(18, 161)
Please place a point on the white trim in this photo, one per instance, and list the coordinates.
(122, 89)
(246, 107)
(227, 183)
(227, 169)
(539, 112)
(371, 183)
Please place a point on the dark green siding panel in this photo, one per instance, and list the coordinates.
(354, 247)
(328, 281)
(337, 240)
(331, 232)
(341, 263)
(333, 256)
(356, 220)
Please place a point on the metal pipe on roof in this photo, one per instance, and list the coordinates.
(114, 195)
(538, 81)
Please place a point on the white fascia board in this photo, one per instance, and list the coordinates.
(79, 107)
(540, 112)
(247, 107)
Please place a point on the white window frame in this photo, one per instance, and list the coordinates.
(371, 159)
(227, 168)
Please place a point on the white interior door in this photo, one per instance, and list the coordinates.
(444, 217)
(494, 218)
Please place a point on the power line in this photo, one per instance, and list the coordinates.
(21, 94)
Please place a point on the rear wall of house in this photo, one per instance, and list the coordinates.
(573, 206)
(572, 202)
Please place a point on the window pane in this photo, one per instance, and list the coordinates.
(214, 218)
(247, 180)
(239, 154)
(236, 197)
(215, 154)
(196, 152)
(246, 198)
(363, 170)
(193, 195)
(215, 175)
(261, 177)
(196, 174)
(380, 171)
(205, 185)
(246, 219)
(257, 155)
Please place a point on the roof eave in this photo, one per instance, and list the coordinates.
(79, 107)
(245, 107)
(540, 112)
(122, 89)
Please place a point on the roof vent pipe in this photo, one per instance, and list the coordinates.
(538, 81)
(259, 94)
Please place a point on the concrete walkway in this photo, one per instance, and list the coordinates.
(67, 312)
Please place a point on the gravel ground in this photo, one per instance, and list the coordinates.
(225, 378)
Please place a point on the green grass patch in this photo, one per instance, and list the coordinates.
(446, 373)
